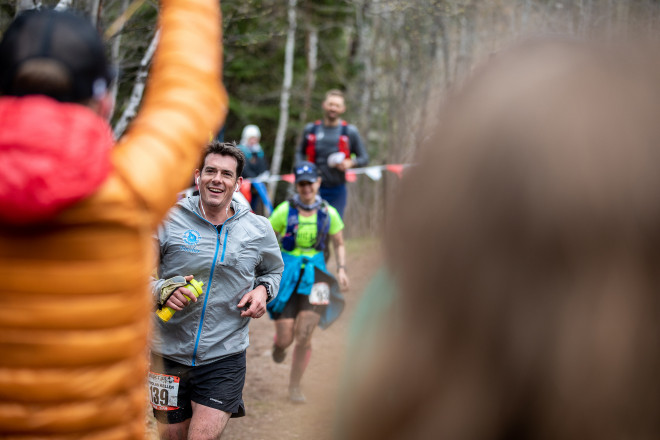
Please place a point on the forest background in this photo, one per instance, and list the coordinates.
(395, 60)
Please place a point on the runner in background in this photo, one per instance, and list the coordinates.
(256, 164)
(334, 146)
(309, 295)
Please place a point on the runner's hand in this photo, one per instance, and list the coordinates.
(345, 164)
(255, 301)
(177, 300)
(343, 280)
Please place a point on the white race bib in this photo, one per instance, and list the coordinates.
(320, 294)
(163, 391)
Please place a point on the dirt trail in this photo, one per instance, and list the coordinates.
(270, 415)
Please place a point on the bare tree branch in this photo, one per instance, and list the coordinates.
(138, 89)
(286, 93)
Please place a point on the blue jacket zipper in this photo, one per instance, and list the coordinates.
(208, 287)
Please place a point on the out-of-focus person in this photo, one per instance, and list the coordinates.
(309, 294)
(256, 164)
(334, 146)
(77, 212)
(255, 158)
(527, 301)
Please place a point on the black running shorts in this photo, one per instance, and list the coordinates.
(296, 304)
(219, 385)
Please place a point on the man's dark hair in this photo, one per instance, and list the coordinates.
(225, 149)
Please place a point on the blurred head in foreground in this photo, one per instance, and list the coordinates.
(530, 286)
(58, 54)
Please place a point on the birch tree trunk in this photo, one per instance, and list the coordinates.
(114, 53)
(94, 8)
(138, 89)
(365, 54)
(310, 76)
(276, 163)
(444, 38)
(462, 53)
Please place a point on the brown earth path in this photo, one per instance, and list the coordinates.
(270, 415)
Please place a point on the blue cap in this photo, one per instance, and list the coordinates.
(305, 172)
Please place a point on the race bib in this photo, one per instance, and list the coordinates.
(320, 294)
(163, 391)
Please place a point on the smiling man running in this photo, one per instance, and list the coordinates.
(198, 356)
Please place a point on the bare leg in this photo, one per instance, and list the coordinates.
(283, 338)
(306, 322)
(207, 423)
(175, 431)
(284, 332)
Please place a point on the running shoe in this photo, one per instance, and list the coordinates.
(278, 354)
(296, 395)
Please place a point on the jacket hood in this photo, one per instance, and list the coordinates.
(52, 154)
(192, 204)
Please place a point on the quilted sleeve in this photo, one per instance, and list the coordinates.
(184, 105)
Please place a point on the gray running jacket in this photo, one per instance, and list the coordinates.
(227, 260)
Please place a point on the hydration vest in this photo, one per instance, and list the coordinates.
(343, 145)
(322, 227)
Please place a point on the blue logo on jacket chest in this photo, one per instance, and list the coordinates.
(191, 238)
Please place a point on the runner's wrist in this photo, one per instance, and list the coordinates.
(269, 293)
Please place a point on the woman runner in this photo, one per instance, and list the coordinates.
(308, 295)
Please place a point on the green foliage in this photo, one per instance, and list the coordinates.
(389, 56)
(6, 15)
(254, 40)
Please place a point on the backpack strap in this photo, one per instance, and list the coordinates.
(310, 149)
(322, 226)
(344, 143)
(289, 239)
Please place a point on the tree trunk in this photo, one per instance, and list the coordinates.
(138, 89)
(462, 53)
(444, 38)
(284, 99)
(524, 21)
(310, 76)
(366, 53)
(114, 53)
(94, 11)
